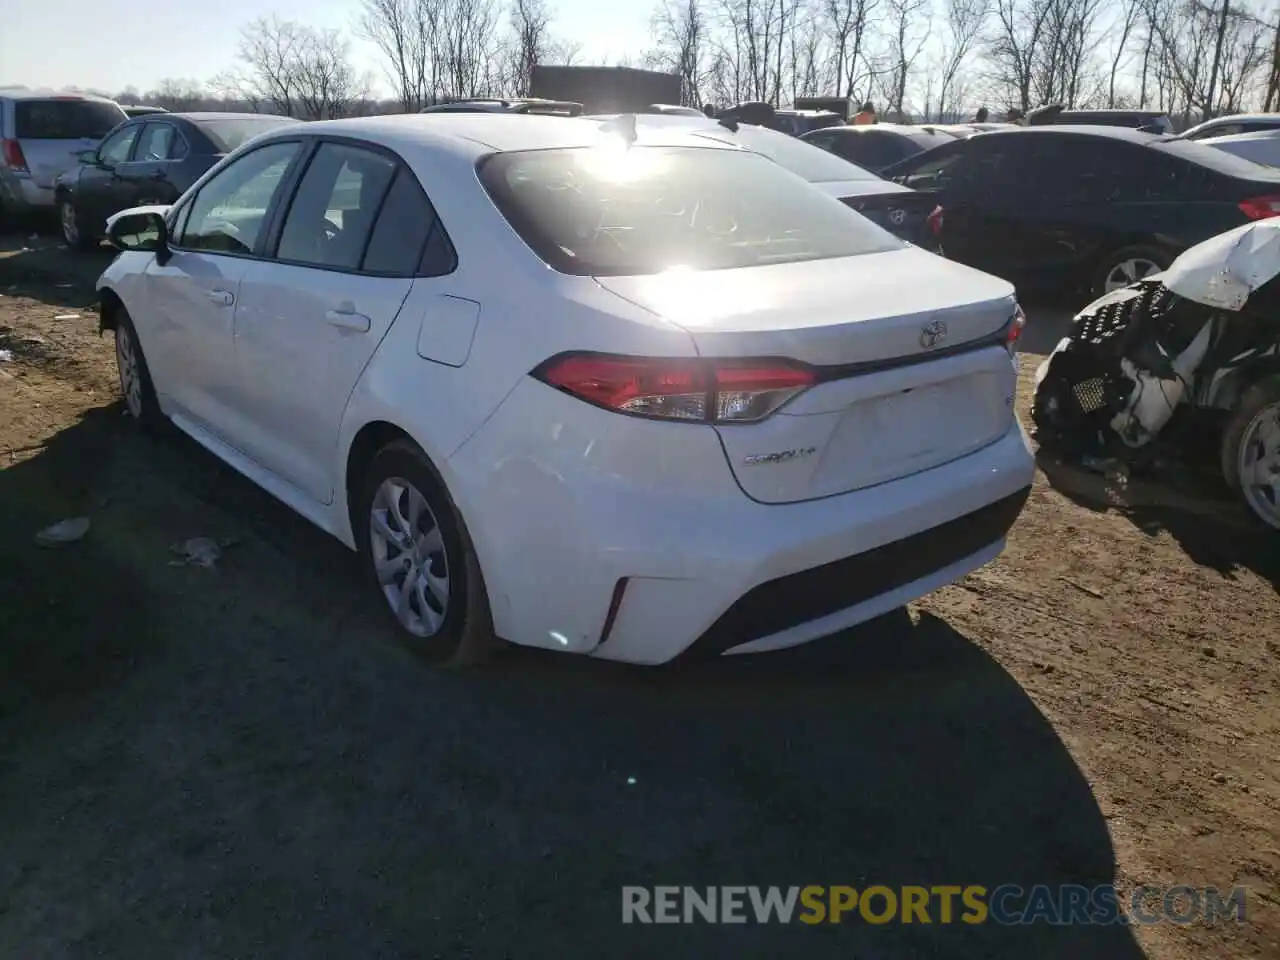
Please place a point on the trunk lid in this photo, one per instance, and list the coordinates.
(907, 382)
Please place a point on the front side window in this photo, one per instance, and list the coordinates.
(332, 213)
(613, 211)
(115, 149)
(228, 214)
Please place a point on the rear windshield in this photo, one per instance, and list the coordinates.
(65, 119)
(1218, 160)
(803, 159)
(230, 133)
(608, 211)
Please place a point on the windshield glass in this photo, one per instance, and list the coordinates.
(610, 211)
(229, 133)
(65, 119)
(803, 159)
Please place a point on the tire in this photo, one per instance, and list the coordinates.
(1111, 263)
(72, 230)
(135, 377)
(1258, 400)
(460, 628)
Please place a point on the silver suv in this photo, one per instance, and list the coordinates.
(41, 133)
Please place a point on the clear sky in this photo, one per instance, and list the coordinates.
(111, 45)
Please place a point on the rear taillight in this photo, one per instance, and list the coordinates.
(1259, 208)
(11, 150)
(935, 221)
(697, 391)
(1015, 326)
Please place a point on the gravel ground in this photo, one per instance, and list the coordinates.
(239, 763)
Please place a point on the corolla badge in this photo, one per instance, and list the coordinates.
(782, 456)
(932, 334)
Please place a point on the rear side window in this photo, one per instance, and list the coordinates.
(1100, 170)
(609, 211)
(399, 244)
(1219, 161)
(65, 119)
(159, 141)
(332, 213)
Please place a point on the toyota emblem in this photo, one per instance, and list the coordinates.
(932, 334)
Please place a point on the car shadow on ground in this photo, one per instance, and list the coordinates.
(1182, 498)
(246, 774)
(42, 268)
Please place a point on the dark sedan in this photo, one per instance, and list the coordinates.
(1096, 207)
(876, 146)
(151, 159)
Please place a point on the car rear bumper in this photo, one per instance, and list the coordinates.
(643, 561)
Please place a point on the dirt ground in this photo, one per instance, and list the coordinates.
(236, 762)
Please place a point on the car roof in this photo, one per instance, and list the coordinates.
(196, 116)
(481, 133)
(1243, 137)
(1112, 113)
(1131, 134)
(48, 93)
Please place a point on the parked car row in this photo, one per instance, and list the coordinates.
(810, 420)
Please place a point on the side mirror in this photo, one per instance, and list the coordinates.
(87, 156)
(140, 231)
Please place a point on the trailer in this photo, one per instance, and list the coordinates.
(605, 89)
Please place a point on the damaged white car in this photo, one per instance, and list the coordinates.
(1198, 341)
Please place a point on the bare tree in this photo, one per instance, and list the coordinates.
(908, 28)
(531, 41)
(847, 23)
(680, 30)
(405, 32)
(296, 70)
(965, 21)
(1130, 12)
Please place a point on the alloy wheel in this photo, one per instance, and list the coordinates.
(1129, 271)
(70, 226)
(130, 371)
(1260, 465)
(408, 552)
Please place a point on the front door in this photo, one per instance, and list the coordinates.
(100, 190)
(194, 296)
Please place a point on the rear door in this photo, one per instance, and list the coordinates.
(52, 132)
(310, 319)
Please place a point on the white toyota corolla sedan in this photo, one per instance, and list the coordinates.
(615, 393)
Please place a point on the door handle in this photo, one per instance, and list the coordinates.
(348, 320)
(224, 298)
